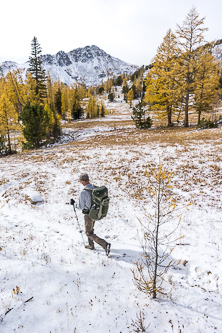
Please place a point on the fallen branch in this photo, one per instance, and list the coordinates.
(28, 300)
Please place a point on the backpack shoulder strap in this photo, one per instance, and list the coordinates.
(90, 189)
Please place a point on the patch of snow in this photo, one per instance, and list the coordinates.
(50, 283)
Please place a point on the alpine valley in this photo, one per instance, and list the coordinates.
(89, 65)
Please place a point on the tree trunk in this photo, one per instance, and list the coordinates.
(188, 79)
(200, 108)
(186, 120)
(156, 242)
(9, 143)
(199, 113)
(169, 116)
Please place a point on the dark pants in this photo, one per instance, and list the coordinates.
(89, 230)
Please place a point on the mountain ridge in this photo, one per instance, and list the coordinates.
(89, 65)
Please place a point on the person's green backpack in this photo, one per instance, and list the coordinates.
(100, 203)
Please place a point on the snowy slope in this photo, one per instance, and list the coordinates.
(217, 51)
(89, 65)
(50, 283)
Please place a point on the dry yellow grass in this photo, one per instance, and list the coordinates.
(123, 132)
(166, 136)
(87, 124)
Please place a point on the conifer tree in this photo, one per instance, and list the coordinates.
(58, 101)
(8, 119)
(108, 85)
(81, 92)
(125, 90)
(16, 89)
(3, 147)
(56, 131)
(140, 118)
(139, 86)
(206, 82)
(130, 96)
(53, 129)
(134, 89)
(77, 110)
(102, 110)
(119, 80)
(101, 90)
(35, 121)
(162, 89)
(158, 241)
(50, 90)
(111, 97)
(37, 71)
(31, 90)
(50, 121)
(191, 37)
(65, 103)
(92, 107)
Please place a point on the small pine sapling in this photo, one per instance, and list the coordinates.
(158, 234)
(140, 118)
(139, 324)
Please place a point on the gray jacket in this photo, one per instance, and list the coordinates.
(85, 198)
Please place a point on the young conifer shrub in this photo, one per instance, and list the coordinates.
(3, 146)
(158, 228)
(204, 123)
(140, 118)
(139, 324)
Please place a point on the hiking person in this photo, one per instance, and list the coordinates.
(85, 203)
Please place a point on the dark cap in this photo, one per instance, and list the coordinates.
(84, 176)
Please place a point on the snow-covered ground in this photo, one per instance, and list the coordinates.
(50, 283)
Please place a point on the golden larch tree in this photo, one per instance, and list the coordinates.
(206, 82)
(190, 37)
(8, 119)
(162, 87)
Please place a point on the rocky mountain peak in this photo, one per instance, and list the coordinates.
(89, 65)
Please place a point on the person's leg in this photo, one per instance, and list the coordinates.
(89, 225)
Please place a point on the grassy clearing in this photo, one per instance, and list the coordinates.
(121, 129)
(91, 123)
(119, 150)
(171, 136)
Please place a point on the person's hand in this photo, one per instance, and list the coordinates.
(72, 201)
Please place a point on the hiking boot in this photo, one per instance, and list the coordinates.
(107, 248)
(90, 247)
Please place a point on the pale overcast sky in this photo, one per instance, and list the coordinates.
(130, 30)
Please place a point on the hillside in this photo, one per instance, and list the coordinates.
(51, 283)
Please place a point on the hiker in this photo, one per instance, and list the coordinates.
(84, 203)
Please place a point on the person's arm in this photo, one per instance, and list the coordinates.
(84, 200)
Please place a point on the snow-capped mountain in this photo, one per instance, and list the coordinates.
(217, 50)
(89, 65)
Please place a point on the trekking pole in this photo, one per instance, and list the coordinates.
(72, 203)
